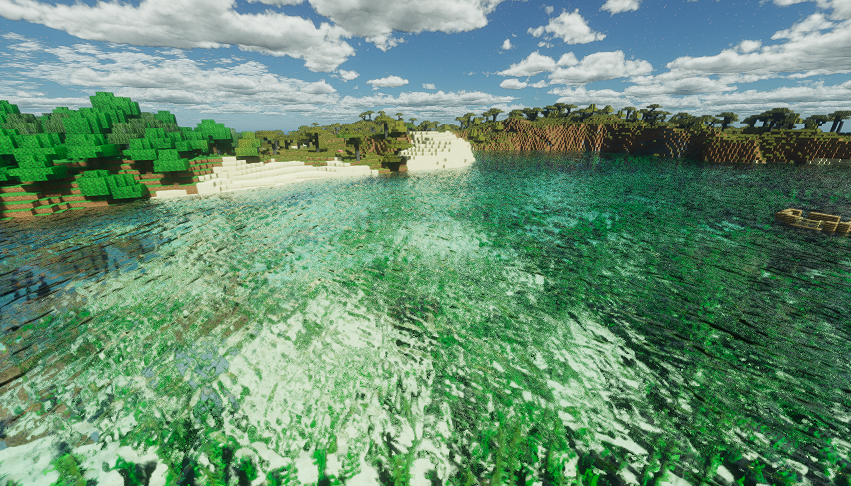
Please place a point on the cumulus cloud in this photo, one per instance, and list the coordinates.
(812, 24)
(347, 75)
(428, 85)
(600, 66)
(620, 6)
(807, 52)
(159, 79)
(570, 28)
(749, 45)
(388, 82)
(534, 64)
(512, 84)
(506, 45)
(215, 24)
(375, 20)
(212, 24)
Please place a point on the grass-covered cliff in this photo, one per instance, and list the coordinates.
(711, 144)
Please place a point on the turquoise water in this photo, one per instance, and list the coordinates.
(535, 319)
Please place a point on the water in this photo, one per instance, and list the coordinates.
(535, 319)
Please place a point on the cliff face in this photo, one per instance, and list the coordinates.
(711, 145)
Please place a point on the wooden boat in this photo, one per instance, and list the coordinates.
(826, 223)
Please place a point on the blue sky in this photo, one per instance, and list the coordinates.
(281, 64)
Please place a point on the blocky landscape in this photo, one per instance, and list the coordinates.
(113, 153)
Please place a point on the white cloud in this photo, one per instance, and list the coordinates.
(568, 59)
(347, 75)
(808, 52)
(388, 82)
(189, 24)
(569, 27)
(506, 45)
(749, 45)
(841, 9)
(375, 20)
(428, 85)
(812, 24)
(512, 84)
(154, 80)
(599, 66)
(620, 6)
(215, 23)
(548, 9)
(534, 64)
(806, 100)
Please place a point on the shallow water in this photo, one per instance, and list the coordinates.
(534, 319)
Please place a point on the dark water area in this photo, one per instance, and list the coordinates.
(542, 318)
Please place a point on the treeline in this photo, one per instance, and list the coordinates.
(382, 127)
(776, 118)
(39, 149)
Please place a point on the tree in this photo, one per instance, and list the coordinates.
(384, 120)
(355, 139)
(751, 120)
(215, 134)
(778, 117)
(561, 107)
(728, 117)
(586, 113)
(400, 116)
(412, 120)
(515, 114)
(494, 112)
(248, 145)
(313, 137)
(815, 121)
(531, 113)
(683, 120)
(838, 116)
(427, 126)
(651, 115)
(549, 110)
(366, 114)
(629, 111)
(395, 146)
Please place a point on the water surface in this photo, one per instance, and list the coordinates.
(534, 319)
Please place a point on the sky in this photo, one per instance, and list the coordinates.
(281, 64)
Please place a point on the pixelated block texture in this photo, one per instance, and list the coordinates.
(711, 145)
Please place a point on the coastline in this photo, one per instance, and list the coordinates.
(219, 175)
(800, 147)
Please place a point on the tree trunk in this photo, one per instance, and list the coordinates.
(835, 123)
(275, 148)
(839, 128)
(357, 152)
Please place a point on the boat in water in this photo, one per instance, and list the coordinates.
(826, 223)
